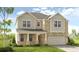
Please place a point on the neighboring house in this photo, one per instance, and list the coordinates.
(38, 28)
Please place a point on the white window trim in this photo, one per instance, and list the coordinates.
(52, 25)
(57, 23)
(28, 24)
(23, 24)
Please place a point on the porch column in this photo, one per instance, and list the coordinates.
(36, 38)
(27, 39)
(17, 38)
(45, 38)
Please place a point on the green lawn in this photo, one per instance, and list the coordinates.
(1, 43)
(37, 49)
(6, 43)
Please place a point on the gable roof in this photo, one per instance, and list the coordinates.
(36, 15)
(57, 14)
(39, 15)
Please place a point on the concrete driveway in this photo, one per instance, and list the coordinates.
(68, 48)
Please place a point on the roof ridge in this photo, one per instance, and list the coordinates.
(37, 15)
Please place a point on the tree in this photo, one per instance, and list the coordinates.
(4, 13)
(0, 28)
(74, 32)
(7, 23)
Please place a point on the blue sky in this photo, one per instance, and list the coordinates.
(70, 13)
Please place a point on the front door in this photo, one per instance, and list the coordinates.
(30, 38)
(39, 39)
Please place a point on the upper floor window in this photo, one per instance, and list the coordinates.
(38, 23)
(24, 23)
(28, 24)
(57, 24)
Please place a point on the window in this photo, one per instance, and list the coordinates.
(57, 24)
(28, 24)
(38, 23)
(24, 23)
(21, 37)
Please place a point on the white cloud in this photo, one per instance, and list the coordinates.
(36, 9)
(39, 9)
(70, 27)
(70, 12)
(20, 12)
(48, 12)
(44, 8)
(76, 12)
(67, 11)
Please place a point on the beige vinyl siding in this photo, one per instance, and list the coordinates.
(41, 24)
(57, 29)
(26, 18)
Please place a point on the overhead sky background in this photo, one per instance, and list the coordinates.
(70, 13)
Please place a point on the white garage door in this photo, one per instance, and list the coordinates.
(57, 40)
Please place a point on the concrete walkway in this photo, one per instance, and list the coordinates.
(69, 48)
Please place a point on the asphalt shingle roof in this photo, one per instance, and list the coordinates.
(39, 15)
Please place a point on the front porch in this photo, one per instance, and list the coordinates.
(31, 38)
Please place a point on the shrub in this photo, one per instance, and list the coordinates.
(70, 41)
(12, 42)
(45, 44)
(19, 45)
(6, 49)
(35, 45)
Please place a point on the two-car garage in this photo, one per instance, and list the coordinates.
(57, 40)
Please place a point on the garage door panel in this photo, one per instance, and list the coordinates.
(56, 40)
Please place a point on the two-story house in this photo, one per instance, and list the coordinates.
(37, 28)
